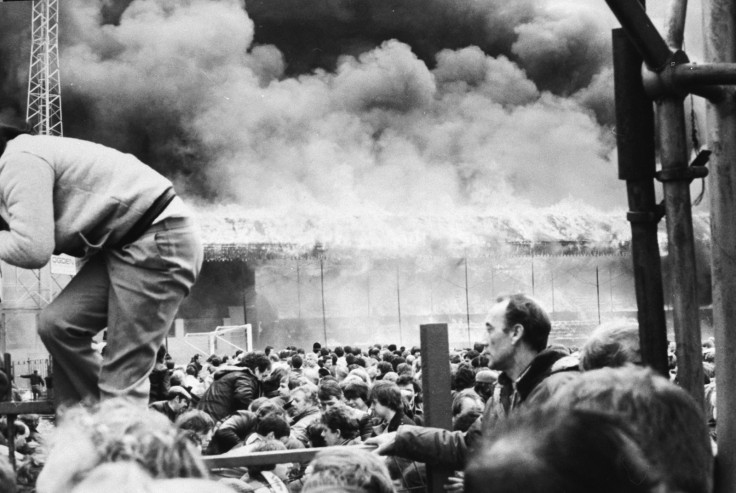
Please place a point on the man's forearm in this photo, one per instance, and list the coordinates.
(433, 446)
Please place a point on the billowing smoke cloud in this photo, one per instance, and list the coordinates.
(398, 106)
(15, 43)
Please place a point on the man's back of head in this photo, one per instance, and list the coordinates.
(611, 344)
(667, 422)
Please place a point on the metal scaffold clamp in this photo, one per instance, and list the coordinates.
(696, 170)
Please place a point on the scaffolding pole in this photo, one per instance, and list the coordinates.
(720, 49)
(676, 175)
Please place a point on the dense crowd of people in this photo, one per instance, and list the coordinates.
(526, 416)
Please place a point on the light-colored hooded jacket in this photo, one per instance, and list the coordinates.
(64, 195)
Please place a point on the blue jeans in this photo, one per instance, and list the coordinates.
(134, 292)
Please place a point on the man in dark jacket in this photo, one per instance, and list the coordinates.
(518, 329)
(176, 403)
(388, 404)
(235, 387)
(36, 384)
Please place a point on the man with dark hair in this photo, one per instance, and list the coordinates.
(296, 365)
(235, 387)
(355, 392)
(517, 329)
(654, 408)
(388, 404)
(330, 394)
(269, 427)
(563, 451)
(141, 248)
(341, 426)
(160, 378)
(177, 402)
(383, 368)
(412, 394)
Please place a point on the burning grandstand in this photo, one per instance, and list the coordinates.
(388, 162)
(355, 280)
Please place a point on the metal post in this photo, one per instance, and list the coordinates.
(681, 244)
(641, 32)
(676, 177)
(467, 300)
(322, 284)
(436, 382)
(719, 27)
(610, 288)
(552, 282)
(532, 254)
(398, 301)
(598, 294)
(368, 292)
(298, 291)
(675, 23)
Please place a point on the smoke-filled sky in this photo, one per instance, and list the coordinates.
(392, 106)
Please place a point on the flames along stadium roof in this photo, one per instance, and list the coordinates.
(234, 234)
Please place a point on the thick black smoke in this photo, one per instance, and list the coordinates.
(380, 105)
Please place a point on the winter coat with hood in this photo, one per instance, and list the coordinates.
(549, 370)
(233, 388)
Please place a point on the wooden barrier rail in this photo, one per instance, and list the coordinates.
(272, 457)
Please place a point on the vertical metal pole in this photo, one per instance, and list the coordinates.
(552, 282)
(467, 299)
(598, 294)
(3, 332)
(368, 292)
(681, 246)
(398, 301)
(610, 287)
(244, 273)
(322, 284)
(436, 382)
(719, 22)
(637, 165)
(532, 254)
(298, 291)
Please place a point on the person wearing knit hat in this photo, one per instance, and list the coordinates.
(485, 382)
(178, 402)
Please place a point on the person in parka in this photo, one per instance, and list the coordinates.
(518, 329)
(235, 387)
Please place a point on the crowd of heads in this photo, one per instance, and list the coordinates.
(612, 425)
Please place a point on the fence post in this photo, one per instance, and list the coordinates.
(436, 391)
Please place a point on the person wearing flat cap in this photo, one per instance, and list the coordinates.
(177, 402)
(139, 248)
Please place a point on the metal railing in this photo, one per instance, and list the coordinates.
(409, 477)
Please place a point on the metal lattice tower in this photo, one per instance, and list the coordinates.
(44, 85)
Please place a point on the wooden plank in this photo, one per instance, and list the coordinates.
(272, 457)
(27, 407)
(436, 391)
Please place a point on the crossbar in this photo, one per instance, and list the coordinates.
(272, 457)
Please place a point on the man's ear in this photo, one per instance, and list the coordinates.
(271, 435)
(517, 332)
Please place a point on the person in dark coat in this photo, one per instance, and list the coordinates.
(235, 387)
(518, 329)
(177, 402)
(388, 404)
(160, 378)
(36, 384)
